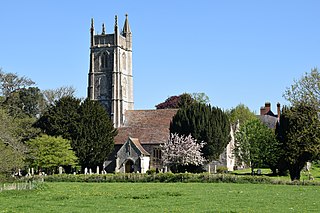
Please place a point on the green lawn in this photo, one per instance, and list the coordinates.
(162, 197)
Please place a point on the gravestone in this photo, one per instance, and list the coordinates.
(32, 171)
(86, 171)
(98, 170)
(90, 171)
(60, 170)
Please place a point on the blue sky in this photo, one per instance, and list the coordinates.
(234, 51)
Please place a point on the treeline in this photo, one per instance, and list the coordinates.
(44, 129)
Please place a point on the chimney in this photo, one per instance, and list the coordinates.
(267, 107)
(262, 110)
(278, 110)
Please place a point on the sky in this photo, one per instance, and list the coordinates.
(235, 51)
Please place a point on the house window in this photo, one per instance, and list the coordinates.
(157, 153)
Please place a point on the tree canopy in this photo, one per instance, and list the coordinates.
(256, 145)
(182, 151)
(95, 135)
(204, 123)
(241, 113)
(305, 91)
(299, 136)
(47, 152)
(86, 124)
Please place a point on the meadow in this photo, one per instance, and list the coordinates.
(162, 197)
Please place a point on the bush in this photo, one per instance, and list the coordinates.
(169, 178)
(222, 169)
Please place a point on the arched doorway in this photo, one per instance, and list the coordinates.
(129, 166)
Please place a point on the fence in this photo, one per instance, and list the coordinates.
(17, 186)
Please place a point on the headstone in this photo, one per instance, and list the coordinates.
(98, 170)
(29, 172)
(60, 170)
(86, 171)
(259, 171)
(90, 171)
(209, 169)
(308, 167)
(32, 171)
(215, 169)
(74, 173)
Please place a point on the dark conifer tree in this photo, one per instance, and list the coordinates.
(205, 123)
(95, 137)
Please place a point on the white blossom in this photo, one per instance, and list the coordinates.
(182, 150)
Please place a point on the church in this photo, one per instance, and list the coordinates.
(110, 81)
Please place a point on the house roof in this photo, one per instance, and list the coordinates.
(269, 120)
(136, 142)
(150, 126)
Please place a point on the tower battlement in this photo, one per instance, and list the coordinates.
(110, 79)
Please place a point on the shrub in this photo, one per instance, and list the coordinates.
(222, 169)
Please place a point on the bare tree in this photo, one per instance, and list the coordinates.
(10, 82)
(52, 95)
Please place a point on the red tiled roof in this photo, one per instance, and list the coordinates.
(138, 145)
(150, 126)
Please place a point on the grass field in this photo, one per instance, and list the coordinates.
(162, 197)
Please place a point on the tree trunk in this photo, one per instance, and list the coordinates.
(295, 171)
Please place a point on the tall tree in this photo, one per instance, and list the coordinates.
(299, 136)
(12, 151)
(306, 90)
(47, 152)
(61, 118)
(204, 123)
(10, 82)
(256, 145)
(95, 135)
(25, 101)
(53, 95)
(241, 113)
(175, 102)
(182, 151)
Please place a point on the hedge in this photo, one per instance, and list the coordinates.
(169, 178)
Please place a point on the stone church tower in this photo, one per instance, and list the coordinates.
(110, 78)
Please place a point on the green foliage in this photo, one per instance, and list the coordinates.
(95, 135)
(12, 150)
(25, 101)
(241, 113)
(10, 159)
(222, 169)
(201, 98)
(305, 91)
(256, 144)
(47, 152)
(210, 125)
(61, 118)
(10, 82)
(87, 125)
(299, 136)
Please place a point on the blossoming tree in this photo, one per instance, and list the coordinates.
(182, 151)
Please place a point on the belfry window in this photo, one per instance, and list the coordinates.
(124, 61)
(104, 60)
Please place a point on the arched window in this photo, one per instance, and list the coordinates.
(124, 61)
(104, 60)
